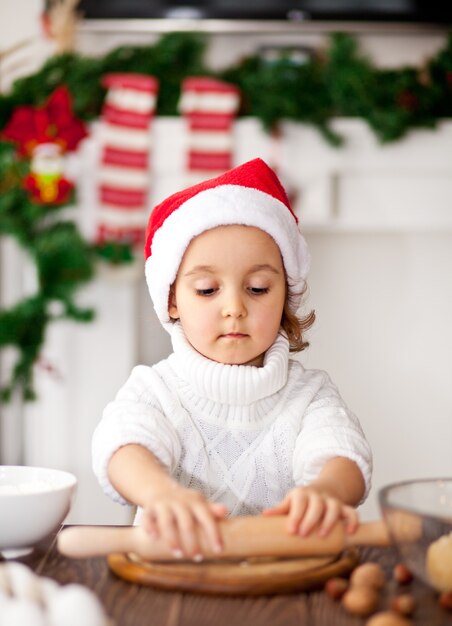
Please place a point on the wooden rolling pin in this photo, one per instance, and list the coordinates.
(243, 537)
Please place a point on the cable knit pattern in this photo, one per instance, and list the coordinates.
(241, 435)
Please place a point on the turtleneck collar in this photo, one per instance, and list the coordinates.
(230, 384)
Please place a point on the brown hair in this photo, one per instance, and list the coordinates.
(295, 326)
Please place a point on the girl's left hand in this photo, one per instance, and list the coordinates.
(307, 508)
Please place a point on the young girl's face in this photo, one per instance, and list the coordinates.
(229, 294)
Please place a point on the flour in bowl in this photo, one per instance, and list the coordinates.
(25, 487)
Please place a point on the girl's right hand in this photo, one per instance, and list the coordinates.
(181, 517)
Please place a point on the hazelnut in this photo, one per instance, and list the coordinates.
(336, 587)
(402, 574)
(445, 600)
(388, 618)
(403, 604)
(368, 575)
(360, 600)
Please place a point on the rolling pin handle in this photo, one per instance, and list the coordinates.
(370, 534)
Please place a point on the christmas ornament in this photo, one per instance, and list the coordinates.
(46, 182)
(43, 134)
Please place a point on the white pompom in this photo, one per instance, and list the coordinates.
(74, 605)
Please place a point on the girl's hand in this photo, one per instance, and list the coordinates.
(307, 507)
(180, 517)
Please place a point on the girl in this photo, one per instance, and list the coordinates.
(229, 423)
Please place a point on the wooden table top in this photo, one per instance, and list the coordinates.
(132, 605)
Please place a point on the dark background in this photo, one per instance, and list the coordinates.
(422, 11)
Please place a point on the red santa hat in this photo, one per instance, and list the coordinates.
(250, 194)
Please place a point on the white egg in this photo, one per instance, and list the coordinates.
(21, 613)
(4, 597)
(24, 584)
(4, 591)
(49, 588)
(4, 578)
(74, 605)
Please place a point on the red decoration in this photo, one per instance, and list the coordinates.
(209, 107)
(44, 134)
(59, 192)
(45, 182)
(54, 122)
(124, 176)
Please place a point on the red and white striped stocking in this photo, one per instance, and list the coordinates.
(124, 169)
(209, 107)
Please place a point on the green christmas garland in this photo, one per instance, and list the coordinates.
(63, 261)
(338, 82)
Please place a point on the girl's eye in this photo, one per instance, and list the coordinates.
(205, 292)
(258, 291)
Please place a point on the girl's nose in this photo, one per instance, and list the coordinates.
(233, 305)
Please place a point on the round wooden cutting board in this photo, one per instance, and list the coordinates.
(259, 576)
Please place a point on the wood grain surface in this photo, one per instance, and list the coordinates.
(136, 605)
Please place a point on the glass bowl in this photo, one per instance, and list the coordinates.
(33, 503)
(418, 515)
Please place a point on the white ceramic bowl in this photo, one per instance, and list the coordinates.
(33, 502)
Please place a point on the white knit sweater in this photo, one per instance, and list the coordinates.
(242, 435)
